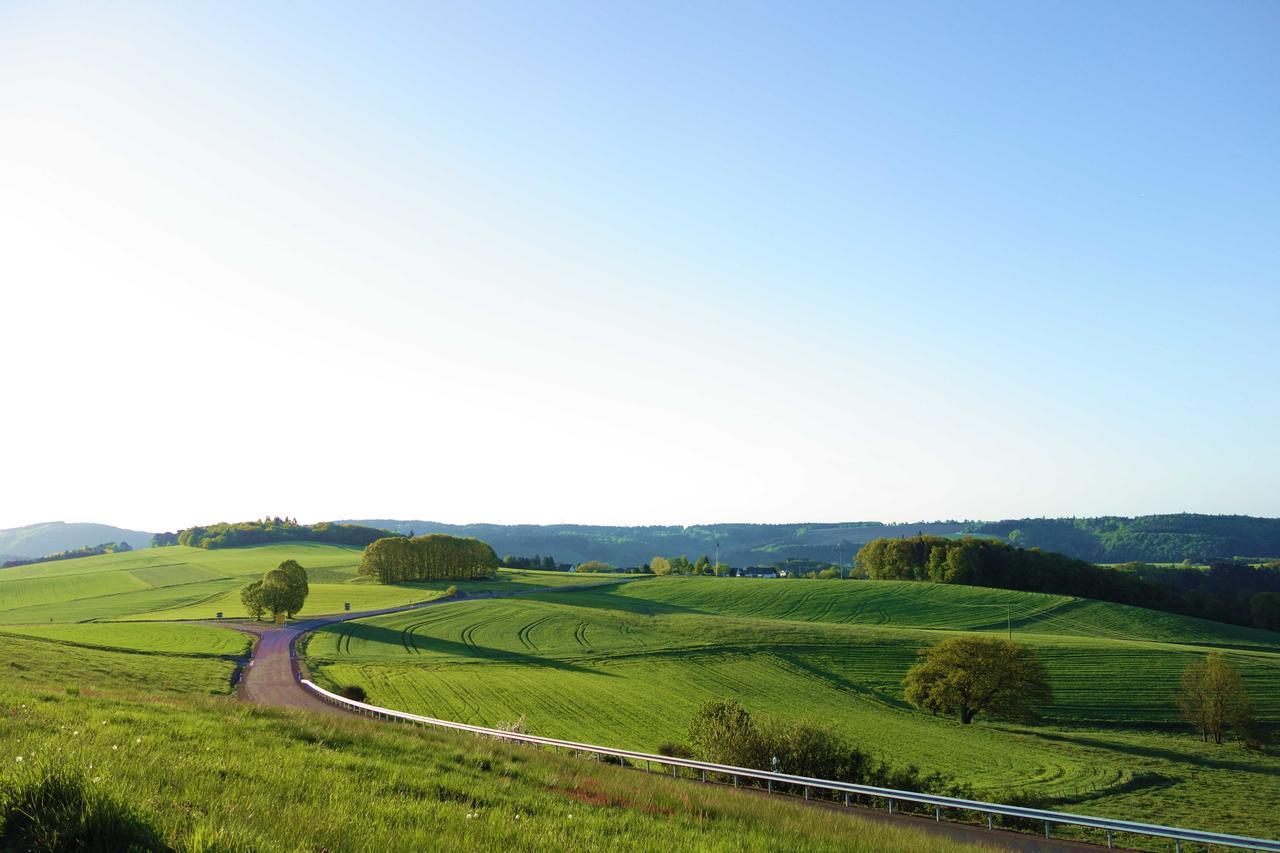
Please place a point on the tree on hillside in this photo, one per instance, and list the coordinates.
(1214, 698)
(1264, 608)
(284, 589)
(395, 559)
(721, 731)
(593, 567)
(974, 675)
(251, 597)
(702, 566)
(660, 566)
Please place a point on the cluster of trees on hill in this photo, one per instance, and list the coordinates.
(396, 559)
(268, 530)
(681, 566)
(1226, 593)
(537, 561)
(283, 590)
(1150, 538)
(87, 551)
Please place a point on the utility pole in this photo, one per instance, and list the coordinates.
(717, 556)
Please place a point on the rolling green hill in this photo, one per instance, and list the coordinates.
(178, 582)
(627, 665)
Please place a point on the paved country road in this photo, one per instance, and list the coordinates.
(271, 678)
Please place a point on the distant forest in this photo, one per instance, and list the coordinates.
(268, 530)
(1151, 539)
(1148, 538)
(1227, 591)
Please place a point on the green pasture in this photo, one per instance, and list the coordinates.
(161, 638)
(177, 582)
(59, 664)
(627, 665)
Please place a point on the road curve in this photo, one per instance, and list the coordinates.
(272, 678)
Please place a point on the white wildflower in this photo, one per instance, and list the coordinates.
(18, 759)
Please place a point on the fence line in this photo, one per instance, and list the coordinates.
(938, 802)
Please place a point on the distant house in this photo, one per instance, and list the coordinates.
(756, 572)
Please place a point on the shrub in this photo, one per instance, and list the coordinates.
(73, 691)
(55, 809)
(354, 692)
(671, 749)
(451, 592)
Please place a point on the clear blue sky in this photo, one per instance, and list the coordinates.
(658, 263)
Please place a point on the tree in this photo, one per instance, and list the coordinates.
(284, 589)
(721, 731)
(702, 566)
(1214, 698)
(660, 566)
(251, 597)
(593, 567)
(1264, 608)
(979, 675)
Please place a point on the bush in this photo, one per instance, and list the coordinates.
(671, 749)
(55, 809)
(451, 592)
(354, 692)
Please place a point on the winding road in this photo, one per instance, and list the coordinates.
(272, 678)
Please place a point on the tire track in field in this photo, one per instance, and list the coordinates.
(526, 631)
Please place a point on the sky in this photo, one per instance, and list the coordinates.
(638, 263)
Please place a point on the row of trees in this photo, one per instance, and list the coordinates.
(438, 556)
(268, 530)
(681, 566)
(537, 561)
(989, 562)
(283, 590)
(86, 551)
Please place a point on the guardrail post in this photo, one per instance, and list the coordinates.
(846, 799)
(991, 823)
(1108, 839)
(937, 813)
(891, 805)
(735, 780)
(1046, 829)
(806, 792)
(769, 782)
(1177, 845)
(704, 776)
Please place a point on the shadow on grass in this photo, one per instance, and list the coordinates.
(419, 643)
(1157, 752)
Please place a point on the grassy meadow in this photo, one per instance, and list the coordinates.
(177, 582)
(627, 665)
(209, 773)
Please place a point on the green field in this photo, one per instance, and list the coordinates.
(627, 665)
(214, 774)
(177, 582)
(162, 663)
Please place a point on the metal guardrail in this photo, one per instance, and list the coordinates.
(890, 795)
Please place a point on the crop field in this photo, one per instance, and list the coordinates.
(160, 638)
(626, 665)
(213, 774)
(61, 664)
(177, 582)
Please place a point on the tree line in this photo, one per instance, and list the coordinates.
(283, 590)
(268, 530)
(86, 551)
(537, 561)
(437, 556)
(989, 562)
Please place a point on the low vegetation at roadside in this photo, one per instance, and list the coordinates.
(214, 774)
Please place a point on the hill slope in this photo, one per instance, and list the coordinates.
(39, 540)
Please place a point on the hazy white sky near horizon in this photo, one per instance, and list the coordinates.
(669, 264)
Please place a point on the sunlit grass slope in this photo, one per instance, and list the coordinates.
(627, 665)
(187, 659)
(214, 774)
(192, 583)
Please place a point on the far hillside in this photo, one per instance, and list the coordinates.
(39, 540)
